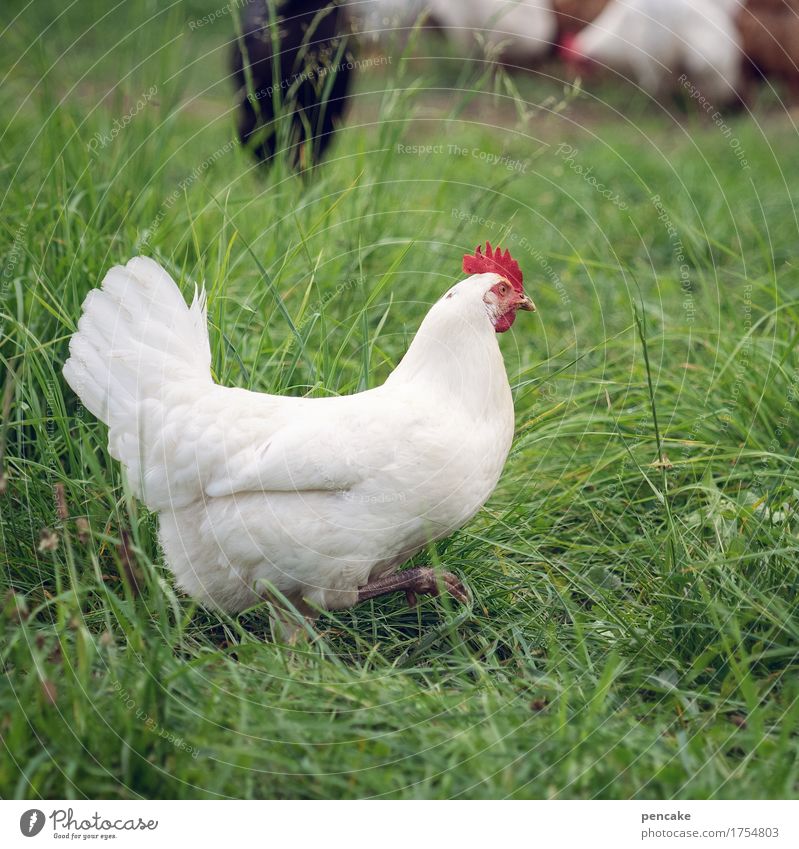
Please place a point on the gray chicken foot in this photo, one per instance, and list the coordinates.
(419, 581)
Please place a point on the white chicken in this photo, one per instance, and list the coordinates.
(655, 40)
(319, 498)
(521, 31)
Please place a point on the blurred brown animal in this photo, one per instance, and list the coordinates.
(573, 15)
(770, 41)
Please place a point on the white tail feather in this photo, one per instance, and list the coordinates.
(135, 340)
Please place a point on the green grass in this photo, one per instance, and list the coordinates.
(634, 631)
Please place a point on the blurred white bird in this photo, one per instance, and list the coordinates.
(321, 498)
(519, 31)
(522, 31)
(656, 40)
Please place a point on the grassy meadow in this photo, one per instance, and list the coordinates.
(634, 629)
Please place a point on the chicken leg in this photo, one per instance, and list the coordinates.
(422, 581)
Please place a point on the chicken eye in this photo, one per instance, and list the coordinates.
(503, 290)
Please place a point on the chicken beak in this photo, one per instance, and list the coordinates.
(526, 304)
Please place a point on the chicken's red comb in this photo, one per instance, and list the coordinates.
(568, 48)
(496, 262)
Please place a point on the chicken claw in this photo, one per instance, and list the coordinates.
(421, 581)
